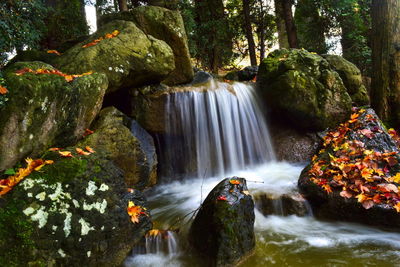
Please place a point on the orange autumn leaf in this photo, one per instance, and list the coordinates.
(106, 36)
(3, 90)
(234, 181)
(397, 207)
(54, 149)
(53, 52)
(327, 188)
(65, 154)
(81, 152)
(67, 77)
(89, 149)
(134, 211)
(153, 232)
(7, 184)
(88, 132)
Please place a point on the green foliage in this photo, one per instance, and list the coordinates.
(21, 25)
(3, 98)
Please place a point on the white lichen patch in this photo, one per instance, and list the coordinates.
(67, 224)
(104, 187)
(40, 216)
(29, 194)
(44, 104)
(57, 193)
(89, 253)
(85, 227)
(30, 136)
(102, 228)
(76, 203)
(28, 211)
(41, 196)
(54, 227)
(91, 189)
(62, 253)
(99, 206)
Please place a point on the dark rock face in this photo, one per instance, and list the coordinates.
(246, 74)
(302, 89)
(368, 193)
(293, 145)
(284, 205)
(201, 77)
(127, 144)
(223, 230)
(45, 110)
(71, 213)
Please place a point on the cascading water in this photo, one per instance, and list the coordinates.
(221, 132)
(215, 131)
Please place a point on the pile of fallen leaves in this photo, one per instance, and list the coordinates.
(107, 36)
(135, 211)
(67, 77)
(346, 165)
(68, 154)
(33, 165)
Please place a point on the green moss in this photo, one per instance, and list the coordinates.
(16, 243)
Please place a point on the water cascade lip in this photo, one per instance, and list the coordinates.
(215, 130)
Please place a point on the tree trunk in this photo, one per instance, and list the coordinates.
(385, 93)
(280, 24)
(249, 32)
(289, 23)
(123, 5)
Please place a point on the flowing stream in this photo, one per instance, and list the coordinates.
(220, 122)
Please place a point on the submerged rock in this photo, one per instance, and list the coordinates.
(355, 176)
(127, 144)
(45, 110)
(132, 58)
(301, 88)
(223, 230)
(283, 205)
(351, 77)
(166, 25)
(70, 213)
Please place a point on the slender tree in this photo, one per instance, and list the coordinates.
(123, 5)
(280, 24)
(249, 32)
(386, 60)
(289, 23)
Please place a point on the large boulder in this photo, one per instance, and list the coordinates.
(132, 58)
(301, 88)
(284, 205)
(127, 144)
(223, 230)
(71, 213)
(351, 77)
(166, 25)
(356, 174)
(45, 110)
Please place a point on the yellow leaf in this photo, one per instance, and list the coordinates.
(65, 154)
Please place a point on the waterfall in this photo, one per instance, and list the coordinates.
(214, 131)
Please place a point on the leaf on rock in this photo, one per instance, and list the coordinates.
(222, 198)
(346, 194)
(3, 90)
(65, 154)
(81, 152)
(134, 211)
(54, 149)
(368, 204)
(67, 77)
(54, 52)
(106, 36)
(89, 149)
(234, 181)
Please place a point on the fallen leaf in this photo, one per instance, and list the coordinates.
(134, 212)
(223, 198)
(81, 152)
(89, 149)
(54, 149)
(153, 232)
(397, 207)
(88, 132)
(368, 204)
(234, 181)
(3, 90)
(53, 52)
(65, 154)
(346, 194)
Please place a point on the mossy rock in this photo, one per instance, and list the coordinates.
(45, 110)
(127, 144)
(166, 25)
(70, 213)
(351, 77)
(301, 88)
(132, 58)
(223, 229)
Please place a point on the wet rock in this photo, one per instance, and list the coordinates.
(293, 145)
(127, 144)
(246, 74)
(284, 205)
(71, 213)
(45, 110)
(368, 198)
(223, 230)
(351, 77)
(301, 88)
(201, 77)
(132, 58)
(166, 25)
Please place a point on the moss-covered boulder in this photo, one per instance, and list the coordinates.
(45, 110)
(166, 25)
(355, 175)
(351, 77)
(301, 88)
(127, 144)
(223, 230)
(132, 58)
(70, 213)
